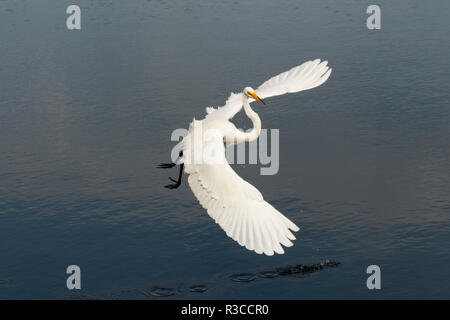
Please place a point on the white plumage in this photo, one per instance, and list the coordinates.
(233, 203)
(306, 76)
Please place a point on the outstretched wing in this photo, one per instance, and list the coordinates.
(309, 75)
(306, 76)
(233, 203)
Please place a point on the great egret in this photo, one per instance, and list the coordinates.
(234, 204)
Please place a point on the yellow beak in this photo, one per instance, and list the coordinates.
(255, 97)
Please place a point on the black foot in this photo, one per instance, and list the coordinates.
(173, 186)
(166, 165)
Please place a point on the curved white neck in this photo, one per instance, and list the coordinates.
(256, 121)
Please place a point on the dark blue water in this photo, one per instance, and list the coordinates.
(85, 116)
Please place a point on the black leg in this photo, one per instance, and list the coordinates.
(170, 165)
(177, 182)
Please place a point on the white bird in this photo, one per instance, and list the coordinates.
(233, 203)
